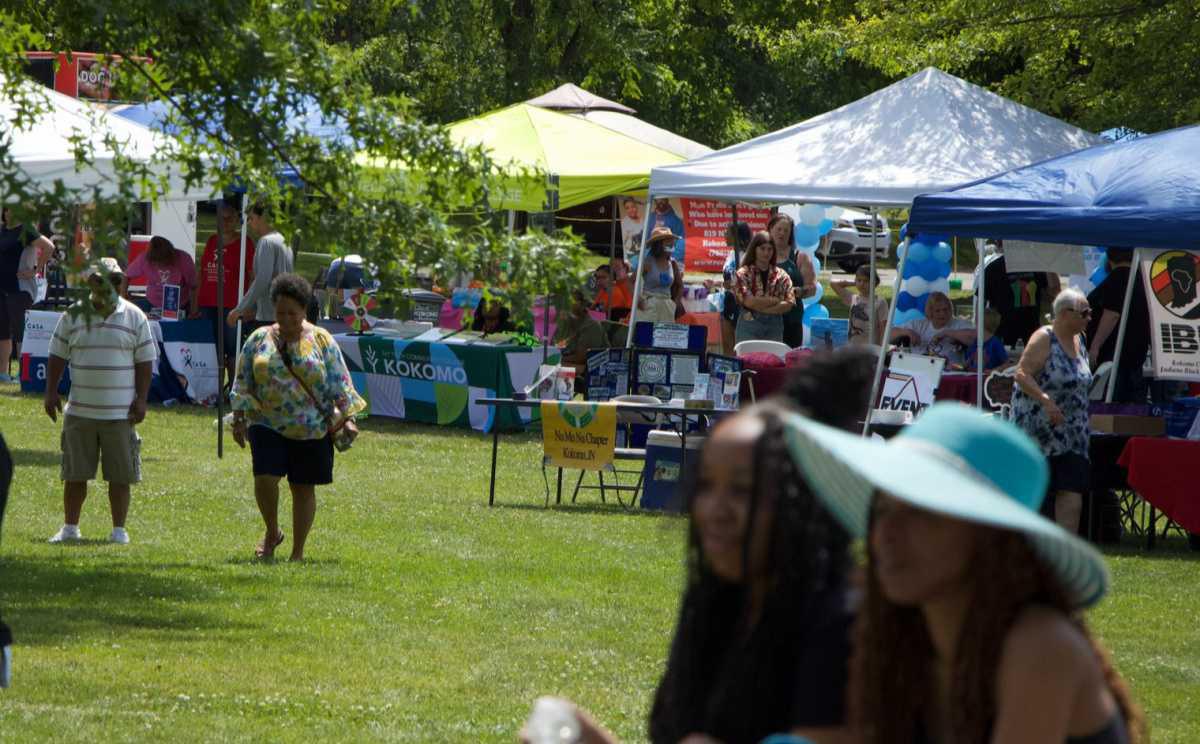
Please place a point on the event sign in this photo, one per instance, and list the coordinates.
(580, 436)
(1170, 278)
(906, 391)
(35, 352)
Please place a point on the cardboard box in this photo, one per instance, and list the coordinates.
(1139, 426)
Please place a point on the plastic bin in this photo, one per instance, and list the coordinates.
(663, 474)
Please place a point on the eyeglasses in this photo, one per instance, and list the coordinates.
(1084, 313)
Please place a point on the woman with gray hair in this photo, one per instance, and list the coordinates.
(1050, 402)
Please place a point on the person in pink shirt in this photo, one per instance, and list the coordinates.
(165, 264)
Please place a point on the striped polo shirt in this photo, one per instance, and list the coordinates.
(102, 354)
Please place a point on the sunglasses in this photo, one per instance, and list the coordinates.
(1084, 313)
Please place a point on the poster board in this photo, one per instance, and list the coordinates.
(1173, 298)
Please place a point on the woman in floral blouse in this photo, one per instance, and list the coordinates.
(292, 386)
(764, 292)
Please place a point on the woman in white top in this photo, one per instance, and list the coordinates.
(939, 333)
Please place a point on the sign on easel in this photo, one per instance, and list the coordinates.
(1174, 301)
(910, 382)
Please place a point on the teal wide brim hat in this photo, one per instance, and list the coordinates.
(952, 461)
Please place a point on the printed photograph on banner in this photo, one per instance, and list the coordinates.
(632, 213)
(704, 225)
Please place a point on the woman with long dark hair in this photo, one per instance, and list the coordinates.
(763, 291)
(799, 268)
(761, 645)
(972, 627)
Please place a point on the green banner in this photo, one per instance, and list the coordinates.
(439, 383)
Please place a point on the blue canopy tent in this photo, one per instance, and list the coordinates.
(1141, 192)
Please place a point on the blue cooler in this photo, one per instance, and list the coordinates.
(662, 475)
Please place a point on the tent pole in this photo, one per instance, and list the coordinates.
(884, 342)
(612, 253)
(220, 259)
(241, 277)
(1112, 373)
(979, 305)
(871, 293)
(512, 221)
(637, 282)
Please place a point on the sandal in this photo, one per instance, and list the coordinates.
(262, 551)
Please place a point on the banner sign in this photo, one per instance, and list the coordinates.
(1170, 278)
(579, 436)
(704, 224)
(188, 345)
(699, 223)
(440, 383)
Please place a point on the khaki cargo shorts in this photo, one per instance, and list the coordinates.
(114, 444)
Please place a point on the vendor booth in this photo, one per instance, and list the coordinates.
(928, 132)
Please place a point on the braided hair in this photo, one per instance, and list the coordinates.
(731, 674)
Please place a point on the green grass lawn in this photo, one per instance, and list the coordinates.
(422, 614)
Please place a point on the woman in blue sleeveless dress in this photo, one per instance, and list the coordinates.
(1050, 402)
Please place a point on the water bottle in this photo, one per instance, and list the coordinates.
(552, 721)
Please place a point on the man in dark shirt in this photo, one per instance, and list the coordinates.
(1017, 297)
(1108, 301)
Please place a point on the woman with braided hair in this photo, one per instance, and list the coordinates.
(971, 629)
(762, 643)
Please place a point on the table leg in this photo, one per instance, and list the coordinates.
(1153, 528)
(495, 447)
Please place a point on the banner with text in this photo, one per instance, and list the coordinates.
(1170, 278)
(579, 436)
(704, 224)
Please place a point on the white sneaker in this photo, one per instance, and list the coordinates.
(67, 533)
(119, 536)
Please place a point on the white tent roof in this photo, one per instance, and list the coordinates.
(43, 150)
(570, 97)
(631, 126)
(927, 133)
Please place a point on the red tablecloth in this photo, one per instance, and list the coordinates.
(1163, 472)
(957, 386)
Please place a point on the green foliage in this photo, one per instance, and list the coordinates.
(1096, 63)
(236, 73)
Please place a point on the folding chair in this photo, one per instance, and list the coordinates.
(626, 420)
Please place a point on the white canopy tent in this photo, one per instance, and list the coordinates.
(929, 132)
(631, 126)
(570, 97)
(43, 146)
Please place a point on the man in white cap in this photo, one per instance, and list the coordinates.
(112, 353)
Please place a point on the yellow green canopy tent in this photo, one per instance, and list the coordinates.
(581, 161)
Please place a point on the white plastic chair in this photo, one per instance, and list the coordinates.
(770, 347)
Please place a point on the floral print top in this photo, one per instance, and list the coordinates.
(1067, 382)
(749, 281)
(271, 396)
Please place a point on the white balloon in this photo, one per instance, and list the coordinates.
(811, 214)
(832, 213)
(916, 286)
(940, 285)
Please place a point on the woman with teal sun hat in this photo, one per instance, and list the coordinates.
(971, 627)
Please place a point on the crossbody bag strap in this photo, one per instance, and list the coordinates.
(329, 422)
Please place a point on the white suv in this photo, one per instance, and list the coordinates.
(849, 243)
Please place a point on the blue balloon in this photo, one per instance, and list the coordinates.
(906, 316)
(816, 298)
(816, 312)
(905, 301)
(918, 252)
(824, 226)
(930, 271)
(942, 252)
(903, 231)
(807, 235)
(901, 249)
